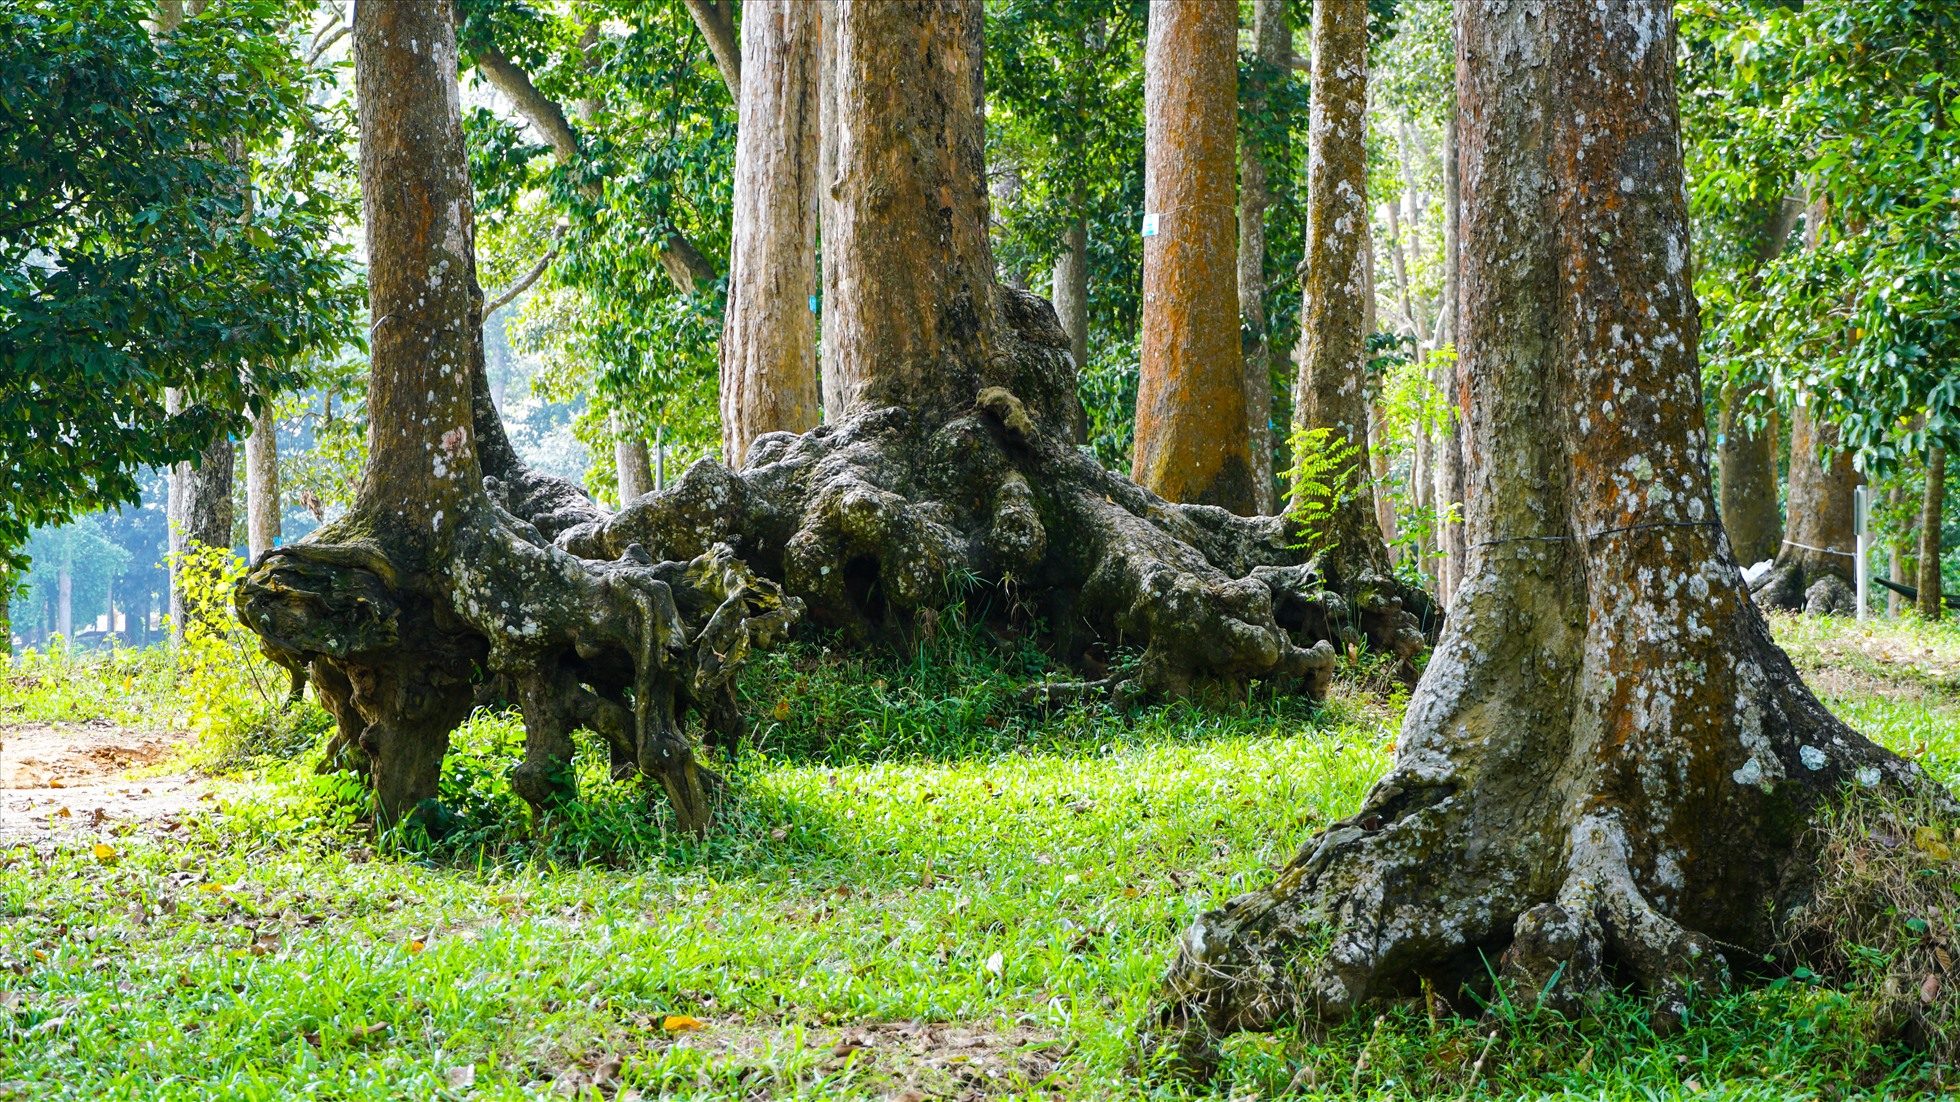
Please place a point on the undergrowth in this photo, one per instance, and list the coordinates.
(905, 841)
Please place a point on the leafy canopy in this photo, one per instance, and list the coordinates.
(127, 261)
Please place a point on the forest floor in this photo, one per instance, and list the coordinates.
(919, 889)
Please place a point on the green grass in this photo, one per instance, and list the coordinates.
(910, 844)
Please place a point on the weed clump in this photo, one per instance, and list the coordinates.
(1885, 916)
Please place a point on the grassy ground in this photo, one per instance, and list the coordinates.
(920, 890)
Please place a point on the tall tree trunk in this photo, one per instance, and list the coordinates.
(1069, 285)
(829, 214)
(6, 614)
(1191, 439)
(769, 379)
(1331, 391)
(630, 462)
(177, 538)
(1608, 768)
(1748, 457)
(1451, 469)
(1748, 463)
(65, 604)
(1932, 508)
(1272, 38)
(262, 508)
(1814, 570)
(444, 567)
(915, 334)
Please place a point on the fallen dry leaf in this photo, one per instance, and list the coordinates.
(681, 1023)
(460, 1077)
(105, 854)
(1929, 987)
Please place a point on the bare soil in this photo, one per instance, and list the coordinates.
(96, 777)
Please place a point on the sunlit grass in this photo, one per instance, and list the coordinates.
(928, 849)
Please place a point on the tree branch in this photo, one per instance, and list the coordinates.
(679, 258)
(716, 18)
(320, 46)
(524, 281)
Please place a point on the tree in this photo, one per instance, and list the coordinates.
(262, 483)
(1331, 393)
(1192, 443)
(429, 576)
(1608, 767)
(1747, 452)
(1262, 141)
(1814, 569)
(769, 377)
(953, 474)
(130, 271)
(1931, 514)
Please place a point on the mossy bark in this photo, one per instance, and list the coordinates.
(1607, 769)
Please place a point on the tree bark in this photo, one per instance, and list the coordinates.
(262, 509)
(1450, 471)
(1931, 511)
(1748, 462)
(716, 18)
(1608, 768)
(1331, 390)
(444, 566)
(1191, 428)
(1069, 286)
(769, 379)
(630, 461)
(65, 604)
(1272, 39)
(917, 332)
(1814, 570)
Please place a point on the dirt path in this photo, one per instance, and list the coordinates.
(57, 778)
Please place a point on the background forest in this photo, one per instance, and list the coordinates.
(1839, 316)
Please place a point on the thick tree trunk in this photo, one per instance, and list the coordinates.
(769, 379)
(1272, 38)
(917, 332)
(1191, 439)
(262, 483)
(1607, 770)
(1331, 391)
(1814, 571)
(1932, 508)
(1748, 463)
(829, 213)
(444, 565)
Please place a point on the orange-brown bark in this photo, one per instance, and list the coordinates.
(1191, 439)
(768, 345)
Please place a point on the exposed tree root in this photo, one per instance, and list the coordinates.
(873, 521)
(1524, 829)
(625, 648)
(1795, 585)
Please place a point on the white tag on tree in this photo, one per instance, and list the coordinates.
(1150, 225)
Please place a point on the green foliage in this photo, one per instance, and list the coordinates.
(231, 697)
(92, 563)
(1853, 103)
(1108, 386)
(127, 264)
(126, 686)
(655, 156)
(1322, 478)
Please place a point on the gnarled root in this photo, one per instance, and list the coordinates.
(1540, 816)
(624, 648)
(1792, 587)
(879, 519)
